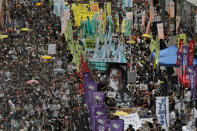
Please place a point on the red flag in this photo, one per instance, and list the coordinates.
(191, 52)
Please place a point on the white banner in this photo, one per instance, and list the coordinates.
(52, 49)
(162, 110)
(160, 31)
(171, 12)
(132, 119)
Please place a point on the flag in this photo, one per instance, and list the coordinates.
(117, 125)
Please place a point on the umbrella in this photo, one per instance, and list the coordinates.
(32, 81)
(47, 57)
(59, 70)
(25, 29)
(3, 36)
(121, 113)
(146, 35)
(132, 42)
(38, 4)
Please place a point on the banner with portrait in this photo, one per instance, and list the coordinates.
(117, 76)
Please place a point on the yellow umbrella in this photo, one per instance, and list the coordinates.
(3, 36)
(121, 113)
(25, 29)
(65, 3)
(46, 57)
(146, 35)
(38, 4)
(132, 42)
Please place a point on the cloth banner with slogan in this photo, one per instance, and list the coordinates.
(192, 76)
(191, 52)
(132, 119)
(162, 110)
(160, 31)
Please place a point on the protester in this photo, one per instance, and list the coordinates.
(55, 100)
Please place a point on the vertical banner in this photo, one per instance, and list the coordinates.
(195, 30)
(129, 15)
(101, 122)
(148, 28)
(162, 110)
(131, 3)
(160, 31)
(151, 15)
(178, 20)
(105, 13)
(172, 10)
(191, 52)
(143, 18)
(109, 8)
(185, 63)
(117, 125)
(180, 50)
(97, 98)
(179, 59)
(192, 76)
(100, 111)
(117, 23)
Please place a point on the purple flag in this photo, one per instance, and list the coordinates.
(117, 125)
(87, 76)
(90, 86)
(97, 97)
(108, 127)
(93, 128)
(93, 120)
(192, 76)
(100, 111)
(94, 108)
(101, 122)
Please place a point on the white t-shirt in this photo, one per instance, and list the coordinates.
(188, 96)
(172, 116)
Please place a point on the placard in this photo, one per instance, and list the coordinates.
(90, 44)
(143, 86)
(52, 49)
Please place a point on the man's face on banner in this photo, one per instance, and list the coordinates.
(115, 79)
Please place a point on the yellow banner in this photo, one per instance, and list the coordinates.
(109, 8)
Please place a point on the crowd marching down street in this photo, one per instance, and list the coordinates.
(98, 65)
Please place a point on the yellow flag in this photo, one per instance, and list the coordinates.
(123, 26)
(109, 8)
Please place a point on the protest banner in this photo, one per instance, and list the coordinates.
(52, 49)
(160, 31)
(172, 9)
(143, 18)
(191, 52)
(162, 110)
(132, 119)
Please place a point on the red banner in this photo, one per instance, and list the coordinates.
(191, 52)
(180, 46)
(180, 50)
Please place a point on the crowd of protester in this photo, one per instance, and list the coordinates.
(57, 102)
